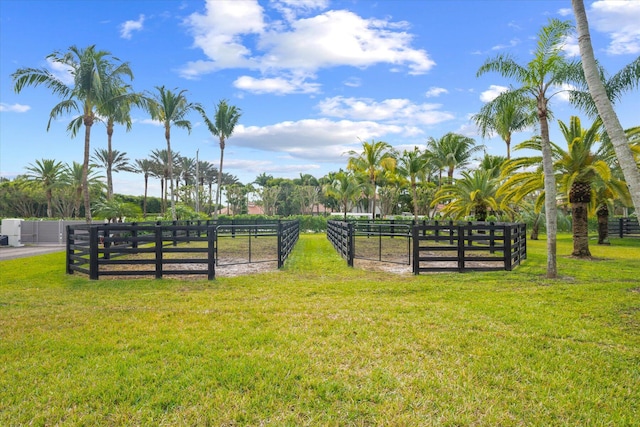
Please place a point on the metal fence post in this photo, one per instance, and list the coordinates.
(69, 250)
(158, 236)
(460, 248)
(211, 259)
(416, 250)
(351, 244)
(508, 254)
(280, 260)
(93, 252)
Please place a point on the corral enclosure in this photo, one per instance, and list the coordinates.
(431, 246)
(182, 248)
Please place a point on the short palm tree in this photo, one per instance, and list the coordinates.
(46, 172)
(170, 108)
(346, 188)
(475, 193)
(94, 72)
(225, 119)
(376, 158)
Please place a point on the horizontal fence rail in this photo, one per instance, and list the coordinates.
(435, 246)
(165, 248)
(624, 227)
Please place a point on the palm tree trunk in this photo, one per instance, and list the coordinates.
(167, 136)
(603, 104)
(415, 200)
(144, 203)
(49, 198)
(88, 122)
(215, 212)
(535, 228)
(550, 192)
(603, 224)
(109, 163)
(580, 230)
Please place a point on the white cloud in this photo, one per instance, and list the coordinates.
(619, 19)
(512, 43)
(562, 92)
(269, 167)
(396, 111)
(14, 108)
(435, 92)
(567, 11)
(277, 85)
(235, 35)
(130, 26)
(570, 46)
(492, 93)
(61, 71)
(317, 140)
(353, 82)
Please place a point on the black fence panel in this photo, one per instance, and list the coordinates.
(432, 246)
(624, 227)
(341, 234)
(164, 248)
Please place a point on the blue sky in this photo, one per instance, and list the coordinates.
(312, 77)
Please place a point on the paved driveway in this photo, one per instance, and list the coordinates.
(9, 252)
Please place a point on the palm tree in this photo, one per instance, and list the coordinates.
(46, 172)
(72, 177)
(160, 159)
(111, 161)
(411, 164)
(376, 158)
(505, 118)
(94, 72)
(145, 167)
(170, 108)
(116, 109)
(538, 79)
(493, 164)
(225, 119)
(346, 188)
(603, 104)
(577, 170)
(451, 151)
(474, 193)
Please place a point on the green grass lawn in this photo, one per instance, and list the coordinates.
(318, 343)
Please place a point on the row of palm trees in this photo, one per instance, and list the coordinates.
(100, 92)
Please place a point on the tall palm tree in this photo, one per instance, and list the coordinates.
(411, 164)
(171, 109)
(46, 172)
(376, 158)
(225, 119)
(111, 161)
(505, 118)
(451, 151)
(628, 78)
(145, 167)
(538, 80)
(93, 71)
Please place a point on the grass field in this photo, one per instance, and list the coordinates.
(318, 343)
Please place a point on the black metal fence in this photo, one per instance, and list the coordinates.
(477, 246)
(433, 246)
(159, 249)
(341, 234)
(624, 227)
